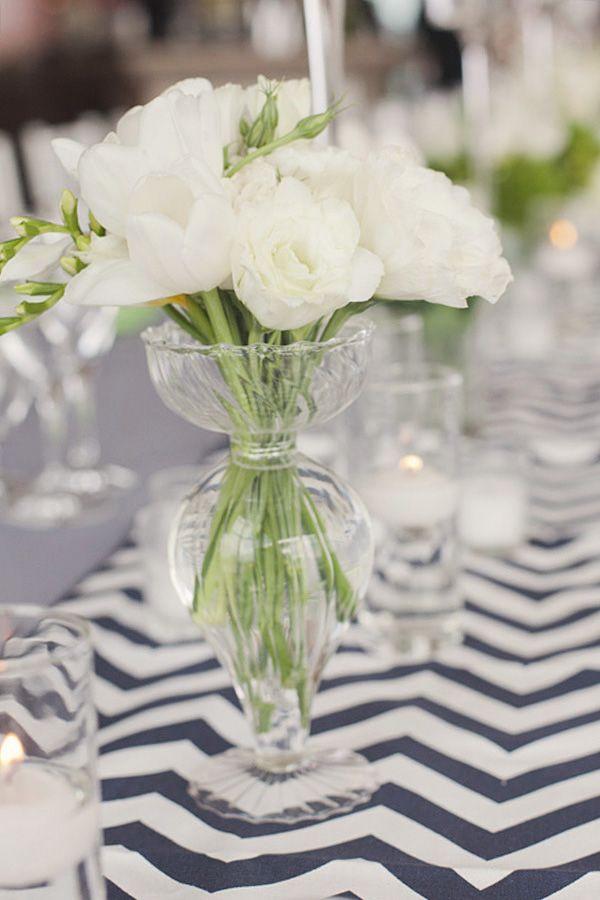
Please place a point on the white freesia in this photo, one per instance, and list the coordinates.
(38, 259)
(297, 258)
(434, 244)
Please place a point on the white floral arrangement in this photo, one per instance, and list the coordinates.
(218, 205)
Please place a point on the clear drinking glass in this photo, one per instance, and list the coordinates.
(398, 339)
(271, 553)
(49, 802)
(15, 401)
(406, 470)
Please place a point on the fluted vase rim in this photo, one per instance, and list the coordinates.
(161, 337)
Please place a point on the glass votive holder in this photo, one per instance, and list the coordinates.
(398, 339)
(49, 799)
(152, 529)
(493, 508)
(405, 468)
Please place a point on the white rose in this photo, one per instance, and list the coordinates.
(328, 171)
(297, 258)
(434, 244)
(254, 183)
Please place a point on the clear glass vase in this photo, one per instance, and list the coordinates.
(272, 554)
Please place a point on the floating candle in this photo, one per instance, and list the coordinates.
(556, 450)
(48, 818)
(412, 495)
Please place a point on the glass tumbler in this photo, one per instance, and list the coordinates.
(405, 466)
(49, 802)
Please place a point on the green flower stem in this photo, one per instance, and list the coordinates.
(266, 534)
(200, 319)
(306, 129)
(187, 326)
(341, 316)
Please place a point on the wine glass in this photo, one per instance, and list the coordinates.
(15, 402)
(62, 351)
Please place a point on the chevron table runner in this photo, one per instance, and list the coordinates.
(489, 755)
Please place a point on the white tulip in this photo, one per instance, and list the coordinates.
(178, 233)
(156, 184)
(231, 101)
(179, 229)
(434, 244)
(111, 279)
(297, 258)
(38, 259)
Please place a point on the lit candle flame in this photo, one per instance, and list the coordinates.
(11, 752)
(411, 463)
(563, 234)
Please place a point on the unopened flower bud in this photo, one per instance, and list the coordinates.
(68, 208)
(263, 128)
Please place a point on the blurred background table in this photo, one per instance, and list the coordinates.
(38, 566)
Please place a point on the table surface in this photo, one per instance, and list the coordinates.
(488, 754)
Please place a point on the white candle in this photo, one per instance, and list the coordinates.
(566, 451)
(412, 495)
(492, 512)
(48, 820)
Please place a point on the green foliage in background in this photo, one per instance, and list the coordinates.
(520, 184)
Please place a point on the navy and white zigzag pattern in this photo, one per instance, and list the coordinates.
(488, 755)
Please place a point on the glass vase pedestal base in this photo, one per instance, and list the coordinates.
(419, 637)
(311, 787)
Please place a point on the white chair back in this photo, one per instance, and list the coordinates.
(45, 174)
(11, 193)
